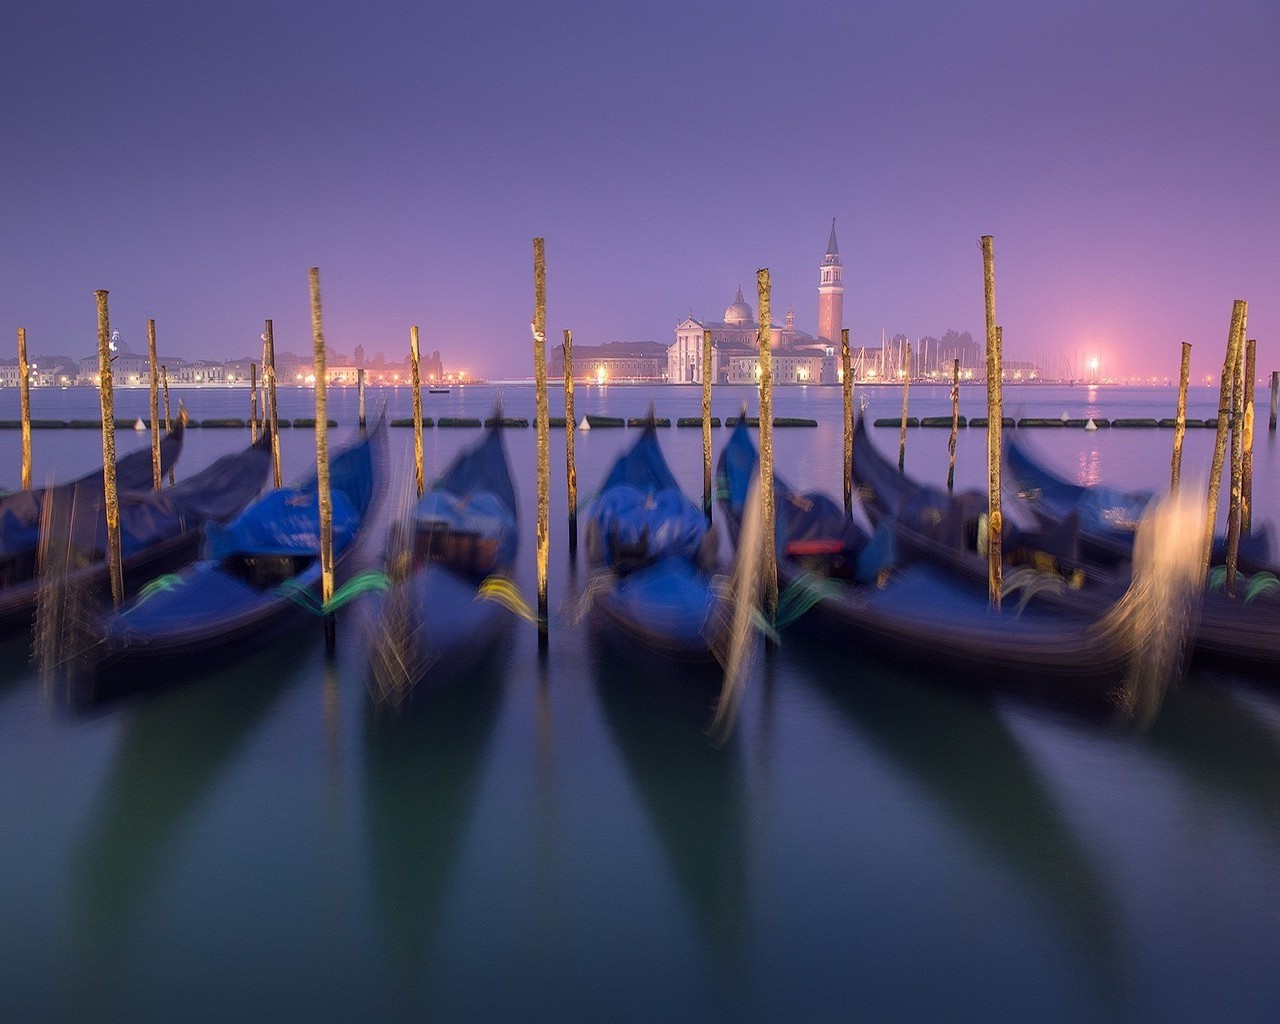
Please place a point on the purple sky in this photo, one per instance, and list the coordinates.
(196, 159)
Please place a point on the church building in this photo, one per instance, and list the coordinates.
(798, 357)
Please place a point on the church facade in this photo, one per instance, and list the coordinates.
(797, 357)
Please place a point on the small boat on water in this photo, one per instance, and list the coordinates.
(860, 592)
(652, 557)
(1107, 517)
(433, 626)
(1044, 567)
(1241, 633)
(259, 577)
(22, 512)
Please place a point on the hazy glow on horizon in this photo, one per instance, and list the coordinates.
(196, 160)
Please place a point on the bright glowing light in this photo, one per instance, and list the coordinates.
(601, 376)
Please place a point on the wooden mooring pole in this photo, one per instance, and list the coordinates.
(269, 369)
(995, 427)
(1239, 317)
(155, 404)
(570, 464)
(765, 364)
(1180, 424)
(1246, 477)
(24, 401)
(706, 424)
(324, 498)
(955, 425)
(1275, 394)
(415, 376)
(111, 498)
(1236, 487)
(360, 417)
(542, 422)
(168, 422)
(902, 433)
(253, 401)
(846, 385)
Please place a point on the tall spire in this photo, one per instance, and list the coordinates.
(832, 248)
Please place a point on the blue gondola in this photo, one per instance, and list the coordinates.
(652, 555)
(259, 577)
(1240, 633)
(852, 588)
(21, 512)
(1107, 517)
(433, 627)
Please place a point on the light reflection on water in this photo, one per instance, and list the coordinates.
(560, 840)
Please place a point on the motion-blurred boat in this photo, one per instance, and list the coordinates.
(652, 554)
(260, 575)
(432, 627)
(854, 589)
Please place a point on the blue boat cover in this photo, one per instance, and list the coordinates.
(286, 521)
(20, 511)
(642, 510)
(475, 495)
(803, 519)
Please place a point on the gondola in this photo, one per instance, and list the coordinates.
(651, 555)
(21, 512)
(1107, 517)
(858, 594)
(432, 627)
(1240, 633)
(1043, 566)
(260, 576)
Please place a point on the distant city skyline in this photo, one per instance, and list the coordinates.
(195, 161)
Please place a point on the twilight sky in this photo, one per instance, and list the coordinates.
(196, 159)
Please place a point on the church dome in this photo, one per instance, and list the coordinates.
(739, 312)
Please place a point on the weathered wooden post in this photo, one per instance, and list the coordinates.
(253, 401)
(269, 368)
(416, 379)
(955, 424)
(1180, 424)
(1236, 485)
(570, 464)
(995, 427)
(1246, 479)
(1275, 393)
(360, 418)
(24, 401)
(155, 404)
(902, 432)
(168, 422)
(543, 428)
(770, 564)
(109, 450)
(1239, 317)
(324, 498)
(846, 382)
(706, 424)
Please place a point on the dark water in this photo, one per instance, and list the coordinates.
(560, 840)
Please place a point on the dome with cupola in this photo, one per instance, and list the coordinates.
(739, 313)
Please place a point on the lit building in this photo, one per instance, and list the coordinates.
(798, 357)
(616, 361)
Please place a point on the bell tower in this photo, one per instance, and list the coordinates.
(831, 292)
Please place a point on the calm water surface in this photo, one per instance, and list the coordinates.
(560, 840)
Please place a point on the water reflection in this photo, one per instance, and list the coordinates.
(423, 767)
(962, 756)
(1089, 467)
(173, 750)
(692, 791)
(1222, 745)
